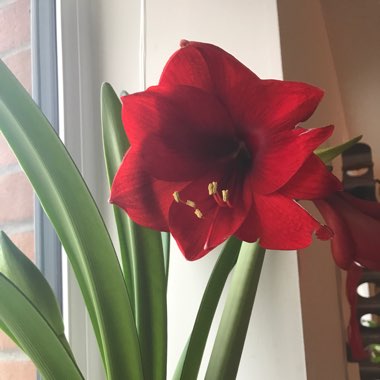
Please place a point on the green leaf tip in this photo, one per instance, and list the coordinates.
(30, 315)
(328, 154)
(22, 272)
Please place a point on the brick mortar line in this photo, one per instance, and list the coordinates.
(4, 3)
(19, 49)
(13, 356)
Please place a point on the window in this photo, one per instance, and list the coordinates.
(45, 93)
(27, 33)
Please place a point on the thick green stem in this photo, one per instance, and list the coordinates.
(188, 366)
(229, 342)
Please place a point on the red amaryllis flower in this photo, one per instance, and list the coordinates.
(356, 224)
(355, 245)
(216, 151)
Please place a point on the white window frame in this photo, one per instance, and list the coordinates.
(78, 120)
(45, 94)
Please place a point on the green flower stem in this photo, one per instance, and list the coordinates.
(190, 361)
(229, 341)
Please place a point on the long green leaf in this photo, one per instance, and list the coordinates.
(70, 207)
(18, 269)
(230, 338)
(188, 366)
(8, 332)
(35, 335)
(328, 154)
(142, 253)
(115, 144)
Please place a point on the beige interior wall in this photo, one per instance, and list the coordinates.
(308, 55)
(333, 44)
(353, 28)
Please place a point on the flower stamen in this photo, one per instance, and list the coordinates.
(176, 197)
(198, 213)
(225, 196)
(212, 188)
(189, 203)
(221, 201)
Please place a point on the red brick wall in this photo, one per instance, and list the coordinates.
(16, 195)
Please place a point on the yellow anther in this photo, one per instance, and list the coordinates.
(190, 203)
(212, 188)
(198, 213)
(176, 196)
(225, 195)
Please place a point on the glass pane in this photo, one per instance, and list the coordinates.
(16, 194)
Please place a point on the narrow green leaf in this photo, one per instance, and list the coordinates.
(35, 335)
(328, 154)
(70, 207)
(230, 338)
(8, 332)
(141, 250)
(115, 144)
(151, 309)
(188, 366)
(15, 266)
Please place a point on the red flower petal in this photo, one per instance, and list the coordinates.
(197, 236)
(274, 104)
(280, 156)
(312, 181)
(250, 230)
(343, 249)
(284, 224)
(229, 220)
(253, 103)
(189, 231)
(371, 209)
(183, 127)
(356, 224)
(207, 67)
(145, 199)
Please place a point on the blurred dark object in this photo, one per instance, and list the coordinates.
(358, 177)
